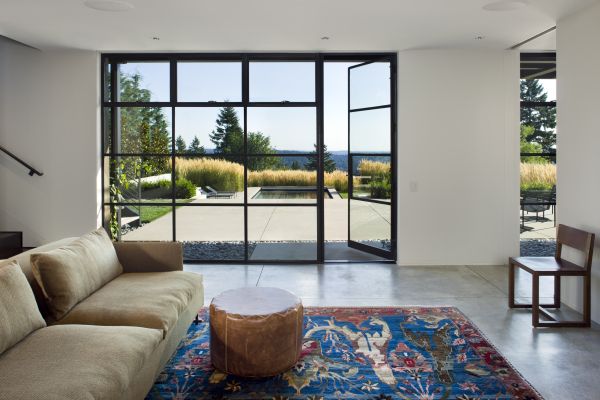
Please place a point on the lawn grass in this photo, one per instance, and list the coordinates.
(150, 213)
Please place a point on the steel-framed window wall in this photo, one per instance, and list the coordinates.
(111, 105)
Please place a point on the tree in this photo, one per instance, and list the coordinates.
(295, 165)
(180, 146)
(195, 147)
(542, 118)
(328, 163)
(142, 130)
(530, 147)
(258, 143)
(228, 138)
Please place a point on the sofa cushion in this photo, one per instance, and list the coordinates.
(76, 362)
(71, 273)
(146, 299)
(24, 260)
(19, 314)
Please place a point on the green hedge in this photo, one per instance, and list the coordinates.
(184, 189)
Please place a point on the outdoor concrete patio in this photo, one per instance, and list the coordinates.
(370, 221)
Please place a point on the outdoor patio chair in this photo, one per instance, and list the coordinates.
(214, 194)
(557, 267)
(537, 201)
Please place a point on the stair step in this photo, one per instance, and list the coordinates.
(11, 244)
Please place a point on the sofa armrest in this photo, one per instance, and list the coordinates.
(150, 256)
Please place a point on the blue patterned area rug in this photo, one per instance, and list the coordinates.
(420, 353)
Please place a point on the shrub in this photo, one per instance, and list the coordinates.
(282, 178)
(228, 176)
(184, 189)
(374, 168)
(218, 174)
(381, 189)
(536, 176)
(338, 180)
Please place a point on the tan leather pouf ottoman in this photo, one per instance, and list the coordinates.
(255, 331)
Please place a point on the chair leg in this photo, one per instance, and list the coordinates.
(587, 300)
(557, 291)
(535, 300)
(511, 285)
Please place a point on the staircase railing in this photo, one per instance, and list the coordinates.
(32, 171)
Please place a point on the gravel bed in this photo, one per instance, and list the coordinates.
(538, 247)
(215, 250)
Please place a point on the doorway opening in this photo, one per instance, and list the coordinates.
(538, 154)
(226, 153)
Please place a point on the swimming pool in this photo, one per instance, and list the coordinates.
(289, 193)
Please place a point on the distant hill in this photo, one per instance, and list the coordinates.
(339, 157)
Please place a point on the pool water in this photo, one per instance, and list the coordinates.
(291, 194)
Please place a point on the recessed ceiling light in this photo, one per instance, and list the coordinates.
(108, 5)
(506, 5)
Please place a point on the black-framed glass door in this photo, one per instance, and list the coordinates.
(223, 152)
(371, 161)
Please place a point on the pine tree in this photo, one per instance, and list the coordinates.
(542, 119)
(195, 147)
(180, 146)
(228, 136)
(328, 163)
(295, 165)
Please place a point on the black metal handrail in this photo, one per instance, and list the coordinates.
(32, 170)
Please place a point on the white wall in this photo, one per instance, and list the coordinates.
(458, 140)
(578, 94)
(458, 130)
(49, 107)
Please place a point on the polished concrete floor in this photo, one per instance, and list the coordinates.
(560, 363)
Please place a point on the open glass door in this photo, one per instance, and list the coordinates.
(371, 186)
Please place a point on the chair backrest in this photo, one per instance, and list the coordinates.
(577, 239)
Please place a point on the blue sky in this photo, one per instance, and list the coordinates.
(288, 128)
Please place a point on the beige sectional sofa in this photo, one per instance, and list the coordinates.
(102, 334)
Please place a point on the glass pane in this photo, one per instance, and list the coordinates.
(107, 134)
(211, 233)
(209, 130)
(370, 85)
(372, 177)
(144, 130)
(370, 131)
(540, 90)
(209, 81)
(282, 81)
(107, 82)
(282, 233)
(144, 81)
(371, 224)
(281, 179)
(141, 179)
(538, 129)
(214, 179)
(538, 205)
(281, 130)
(146, 223)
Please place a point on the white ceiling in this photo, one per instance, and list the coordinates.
(293, 25)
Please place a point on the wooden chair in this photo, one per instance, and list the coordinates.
(557, 267)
